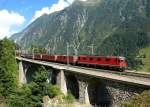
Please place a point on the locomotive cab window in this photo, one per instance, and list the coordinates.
(121, 60)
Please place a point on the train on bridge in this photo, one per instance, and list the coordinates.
(103, 62)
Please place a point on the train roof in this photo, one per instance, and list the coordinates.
(120, 57)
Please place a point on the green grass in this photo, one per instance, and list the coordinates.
(145, 57)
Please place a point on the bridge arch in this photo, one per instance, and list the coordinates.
(99, 95)
(72, 85)
(30, 73)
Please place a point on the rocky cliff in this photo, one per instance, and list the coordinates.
(113, 27)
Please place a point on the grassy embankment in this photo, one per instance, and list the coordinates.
(145, 52)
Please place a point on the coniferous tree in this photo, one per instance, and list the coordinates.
(8, 67)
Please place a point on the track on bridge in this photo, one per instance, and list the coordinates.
(126, 72)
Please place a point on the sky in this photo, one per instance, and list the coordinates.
(15, 15)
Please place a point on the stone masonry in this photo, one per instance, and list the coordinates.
(122, 92)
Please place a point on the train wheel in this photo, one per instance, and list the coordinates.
(121, 69)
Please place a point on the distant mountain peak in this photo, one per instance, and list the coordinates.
(113, 26)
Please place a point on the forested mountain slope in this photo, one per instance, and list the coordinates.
(114, 27)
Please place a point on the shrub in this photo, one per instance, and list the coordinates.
(69, 98)
(140, 100)
(54, 91)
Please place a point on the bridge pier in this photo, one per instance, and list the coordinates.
(83, 91)
(22, 72)
(61, 81)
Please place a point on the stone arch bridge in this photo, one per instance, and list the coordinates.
(101, 88)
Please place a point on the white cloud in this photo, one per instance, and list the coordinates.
(8, 20)
(39, 13)
(60, 5)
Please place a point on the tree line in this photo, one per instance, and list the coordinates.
(28, 95)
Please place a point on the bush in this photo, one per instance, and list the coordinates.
(140, 100)
(54, 91)
(30, 95)
(69, 98)
(20, 97)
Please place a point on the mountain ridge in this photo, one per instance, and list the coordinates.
(106, 24)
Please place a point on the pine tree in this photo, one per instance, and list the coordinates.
(8, 67)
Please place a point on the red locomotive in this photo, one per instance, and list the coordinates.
(106, 62)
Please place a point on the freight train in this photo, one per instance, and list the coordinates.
(103, 62)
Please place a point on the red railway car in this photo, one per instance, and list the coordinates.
(47, 57)
(109, 61)
(115, 62)
(37, 57)
(64, 59)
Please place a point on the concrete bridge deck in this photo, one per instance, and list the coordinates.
(128, 77)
